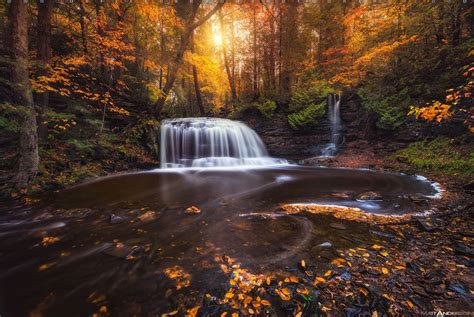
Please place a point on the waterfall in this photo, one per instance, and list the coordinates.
(334, 117)
(211, 142)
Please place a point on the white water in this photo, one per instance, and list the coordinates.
(334, 116)
(211, 142)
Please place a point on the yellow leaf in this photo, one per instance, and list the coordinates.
(328, 273)
(384, 270)
(229, 295)
(303, 264)
(285, 291)
(385, 254)
(293, 279)
(376, 246)
(364, 291)
(265, 302)
(192, 312)
(409, 303)
(319, 280)
(389, 297)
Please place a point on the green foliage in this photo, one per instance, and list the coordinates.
(391, 109)
(9, 119)
(307, 117)
(309, 93)
(439, 156)
(267, 108)
(83, 146)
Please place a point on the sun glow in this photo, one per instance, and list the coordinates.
(217, 38)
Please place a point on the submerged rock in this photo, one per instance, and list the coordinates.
(369, 196)
(326, 244)
(338, 226)
(114, 219)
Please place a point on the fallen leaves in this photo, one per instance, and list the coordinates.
(177, 273)
(49, 240)
(193, 210)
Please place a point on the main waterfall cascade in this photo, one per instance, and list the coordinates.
(334, 116)
(211, 142)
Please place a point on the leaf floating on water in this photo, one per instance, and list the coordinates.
(410, 303)
(385, 254)
(45, 266)
(148, 216)
(328, 273)
(49, 240)
(193, 210)
(103, 309)
(376, 247)
(384, 270)
(303, 263)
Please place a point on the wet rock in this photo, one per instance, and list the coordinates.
(326, 244)
(464, 250)
(423, 303)
(369, 196)
(337, 225)
(148, 216)
(114, 219)
(383, 234)
(124, 251)
(418, 198)
(458, 288)
(469, 188)
(427, 225)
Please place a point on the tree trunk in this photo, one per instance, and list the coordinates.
(43, 55)
(197, 89)
(28, 156)
(189, 27)
(255, 65)
(83, 26)
(230, 76)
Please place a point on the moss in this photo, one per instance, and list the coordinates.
(307, 117)
(439, 156)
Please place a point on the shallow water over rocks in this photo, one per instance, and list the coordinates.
(86, 255)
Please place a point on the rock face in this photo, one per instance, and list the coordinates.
(281, 140)
(359, 124)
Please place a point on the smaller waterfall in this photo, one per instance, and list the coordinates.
(334, 116)
(211, 142)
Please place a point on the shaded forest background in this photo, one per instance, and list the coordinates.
(85, 83)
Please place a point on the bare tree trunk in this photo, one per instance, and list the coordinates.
(82, 13)
(197, 89)
(230, 76)
(189, 27)
(255, 75)
(28, 156)
(43, 48)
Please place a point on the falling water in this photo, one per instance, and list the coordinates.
(211, 142)
(334, 117)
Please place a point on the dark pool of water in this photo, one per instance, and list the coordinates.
(239, 218)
